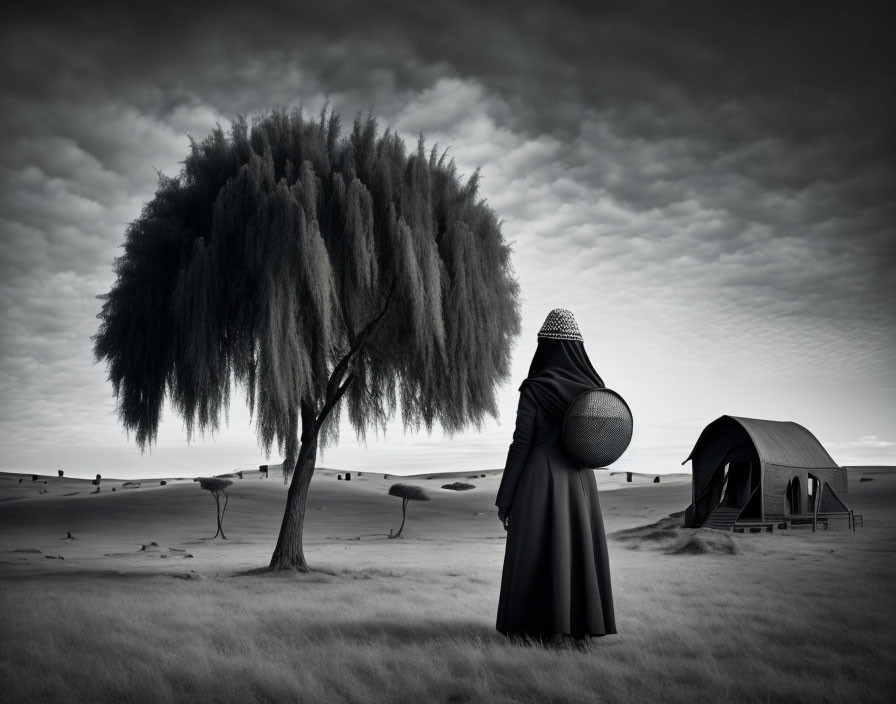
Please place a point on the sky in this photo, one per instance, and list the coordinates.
(710, 190)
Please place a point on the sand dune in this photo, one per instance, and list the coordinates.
(181, 514)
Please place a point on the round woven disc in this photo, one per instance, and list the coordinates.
(597, 428)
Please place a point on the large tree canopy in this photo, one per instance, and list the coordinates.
(303, 266)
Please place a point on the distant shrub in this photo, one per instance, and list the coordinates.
(458, 486)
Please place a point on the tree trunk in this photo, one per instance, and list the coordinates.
(217, 514)
(404, 509)
(289, 555)
(221, 518)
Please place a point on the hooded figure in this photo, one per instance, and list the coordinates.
(556, 577)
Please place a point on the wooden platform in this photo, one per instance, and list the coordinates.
(758, 526)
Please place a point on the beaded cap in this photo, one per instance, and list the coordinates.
(560, 325)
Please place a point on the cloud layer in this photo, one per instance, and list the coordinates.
(711, 194)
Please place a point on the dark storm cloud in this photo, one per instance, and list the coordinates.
(730, 161)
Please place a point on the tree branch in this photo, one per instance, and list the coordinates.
(335, 385)
(332, 401)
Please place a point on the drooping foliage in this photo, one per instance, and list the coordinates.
(267, 258)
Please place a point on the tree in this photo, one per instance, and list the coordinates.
(218, 489)
(306, 268)
(406, 492)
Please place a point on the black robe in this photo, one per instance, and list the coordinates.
(556, 577)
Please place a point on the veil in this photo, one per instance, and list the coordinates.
(560, 371)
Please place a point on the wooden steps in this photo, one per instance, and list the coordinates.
(722, 518)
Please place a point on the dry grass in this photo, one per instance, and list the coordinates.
(788, 618)
(713, 625)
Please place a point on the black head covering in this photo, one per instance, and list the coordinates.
(560, 371)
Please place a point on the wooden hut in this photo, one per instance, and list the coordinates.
(750, 473)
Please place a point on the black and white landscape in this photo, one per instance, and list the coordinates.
(353, 218)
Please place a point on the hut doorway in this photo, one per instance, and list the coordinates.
(737, 484)
(793, 497)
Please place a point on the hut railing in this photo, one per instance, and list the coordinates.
(848, 513)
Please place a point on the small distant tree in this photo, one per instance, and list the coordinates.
(315, 271)
(218, 489)
(406, 492)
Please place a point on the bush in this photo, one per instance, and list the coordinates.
(458, 486)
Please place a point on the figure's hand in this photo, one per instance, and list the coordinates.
(504, 517)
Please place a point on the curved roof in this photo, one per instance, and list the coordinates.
(782, 443)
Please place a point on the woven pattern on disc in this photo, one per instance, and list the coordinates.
(597, 428)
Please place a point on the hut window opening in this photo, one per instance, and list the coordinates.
(793, 496)
(812, 490)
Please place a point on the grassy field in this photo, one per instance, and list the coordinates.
(702, 616)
